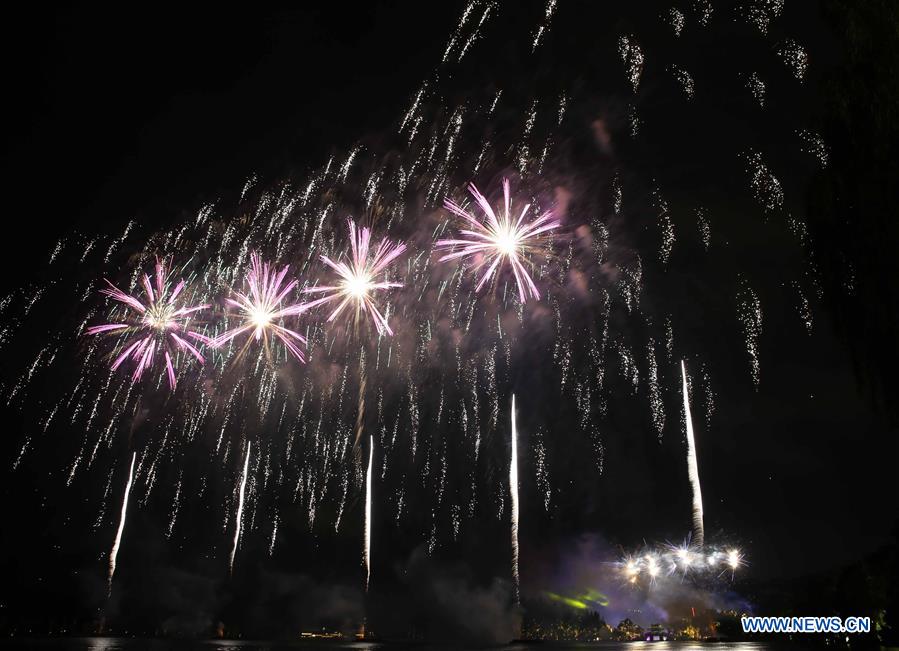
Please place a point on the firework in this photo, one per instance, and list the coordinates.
(262, 308)
(500, 239)
(513, 489)
(156, 328)
(654, 564)
(238, 524)
(114, 552)
(359, 277)
(437, 389)
(693, 466)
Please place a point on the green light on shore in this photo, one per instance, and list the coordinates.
(568, 601)
(583, 601)
(595, 596)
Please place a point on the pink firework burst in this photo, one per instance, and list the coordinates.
(261, 309)
(499, 239)
(157, 326)
(358, 277)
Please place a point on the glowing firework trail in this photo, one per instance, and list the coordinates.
(693, 467)
(359, 277)
(155, 325)
(513, 489)
(499, 239)
(261, 308)
(366, 552)
(360, 412)
(238, 525)
(113, 554)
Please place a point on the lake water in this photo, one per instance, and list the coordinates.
(128, 644)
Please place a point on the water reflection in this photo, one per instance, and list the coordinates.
(128, 644)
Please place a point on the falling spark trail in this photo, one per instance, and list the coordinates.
(366, 553)
(118, 537)
(513, 488)
(238, 525)
(360, 412)
(693, 467)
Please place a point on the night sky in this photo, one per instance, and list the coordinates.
(120, 115)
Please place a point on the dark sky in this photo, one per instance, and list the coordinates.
(120, 114)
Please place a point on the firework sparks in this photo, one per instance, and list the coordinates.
(113, 554)
(238, 524)
(261, 309)
(359, 277)
(500, 239)
(693, 466)
(513, 489)
(434, 448)
(155, 325)
(655, 563)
